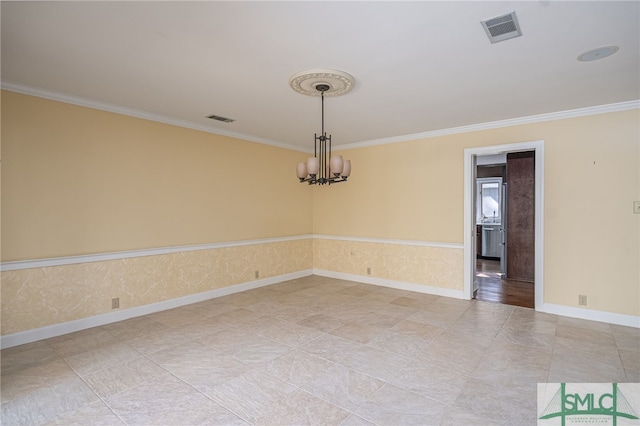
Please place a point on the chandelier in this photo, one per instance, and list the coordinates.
(323, 168)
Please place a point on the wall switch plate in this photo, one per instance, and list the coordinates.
(636, 207)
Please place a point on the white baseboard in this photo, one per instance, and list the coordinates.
(591, 314)
(30, 336)
(401, 285)
(566, 311)
(47, 332)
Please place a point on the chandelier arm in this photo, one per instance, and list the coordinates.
(329, 158)
(315, 145)
(322, 148)
(328, 155)
(322, 97)
(323, 141)
(325, 159)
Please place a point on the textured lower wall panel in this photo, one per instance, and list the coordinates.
(418, 264)
(39, 297)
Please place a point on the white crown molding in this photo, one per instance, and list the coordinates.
(101, 257)
(560, 115)
(90, 103)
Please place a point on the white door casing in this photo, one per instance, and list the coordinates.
(470, 155)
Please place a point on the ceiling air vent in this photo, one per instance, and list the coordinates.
(502, 27)
(223, 119)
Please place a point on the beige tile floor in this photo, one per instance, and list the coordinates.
(313, 351)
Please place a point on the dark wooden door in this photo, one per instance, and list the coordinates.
(521, 215)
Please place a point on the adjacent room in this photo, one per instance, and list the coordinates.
(331, 213)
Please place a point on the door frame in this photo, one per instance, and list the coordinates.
(470, 155)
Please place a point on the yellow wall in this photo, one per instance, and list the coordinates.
(414, 190)
(77, 181)
(440, 267)
(408, 191)
(80, 181)
(43, 296)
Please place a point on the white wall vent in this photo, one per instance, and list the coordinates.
(502, 27)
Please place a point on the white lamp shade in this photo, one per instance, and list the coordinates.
(301, 170)
(312, 166)
(335, 164)
(346, 168)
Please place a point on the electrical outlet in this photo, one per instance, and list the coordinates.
(368, 271)
(636, 207)
(257, 274)
(115, 303)
(582, 300)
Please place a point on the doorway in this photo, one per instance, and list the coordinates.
(488, 270)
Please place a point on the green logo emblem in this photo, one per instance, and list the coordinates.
(588, 404)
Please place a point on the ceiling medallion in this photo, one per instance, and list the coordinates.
(323, 168)
(306, 82)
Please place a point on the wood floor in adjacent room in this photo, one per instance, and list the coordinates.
(492, 288)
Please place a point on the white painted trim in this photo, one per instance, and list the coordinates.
(390, 241)
(469, 219)
(101, 257)
(469, 255)
(539, 225)
(89, 103)
(591, 315)
(401, 285)
(560, 115)
(103, 106)
(33, 335)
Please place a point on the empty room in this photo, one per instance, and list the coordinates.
(320, 213)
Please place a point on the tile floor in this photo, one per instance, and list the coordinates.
(313, 351)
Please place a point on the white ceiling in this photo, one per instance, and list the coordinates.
(419, 66)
